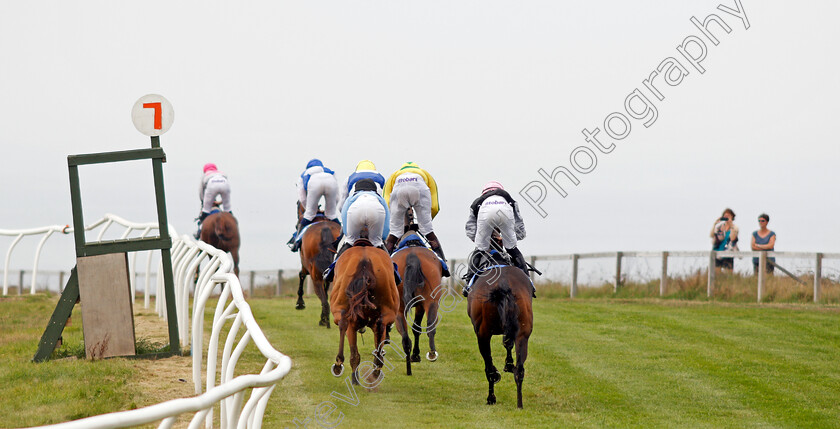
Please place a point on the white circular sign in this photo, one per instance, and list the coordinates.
(152, 115)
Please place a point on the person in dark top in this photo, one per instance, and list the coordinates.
(763, 240)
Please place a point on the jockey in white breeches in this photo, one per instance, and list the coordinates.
(315, 182)
(213, 184)
(494, 209)
(365, 214)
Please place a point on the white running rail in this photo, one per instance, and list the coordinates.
(230, 394)
(109, 219)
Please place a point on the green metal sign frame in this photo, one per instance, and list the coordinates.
(163, 242)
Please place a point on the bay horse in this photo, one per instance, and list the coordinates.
(317, 250)
(421, 274)
(221, 230)
(364, 294)
(499, 303)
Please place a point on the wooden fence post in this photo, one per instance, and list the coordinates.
(453, 271)
(710, 286)
(762, 276)
(663, 281)
(251, 285)
(533, 264)
(61, 282)
(279, 283)
(617, 270)
(573, 290)
(20, 285)
(817, 276)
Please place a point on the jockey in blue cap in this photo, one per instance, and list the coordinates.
(316, 182)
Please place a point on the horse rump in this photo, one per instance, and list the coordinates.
(504, 300)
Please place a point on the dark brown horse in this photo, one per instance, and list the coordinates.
(420, 270)
(317, 250)
(221, 230)
(364, 294)
(499, 303)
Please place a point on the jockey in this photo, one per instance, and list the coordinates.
(364, 170)
(364, 215)
(315, 182)
(213, 183)
(411, 186)
(495, 209)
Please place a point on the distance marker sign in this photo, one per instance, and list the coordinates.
(152, 115)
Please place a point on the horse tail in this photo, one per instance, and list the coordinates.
(358, 299)
(326, 251)
(413, 278)
(505, 302)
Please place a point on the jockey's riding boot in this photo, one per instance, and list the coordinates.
(344, 247)
(303, 222)
(519, 261)
(201, 218)
(435, 245)
(472, 268)
(390, 242)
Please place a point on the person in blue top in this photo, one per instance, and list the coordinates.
(725, 237)
(314, 183)
(365, 169)
(763, 240)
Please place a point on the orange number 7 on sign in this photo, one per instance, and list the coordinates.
(155, 106)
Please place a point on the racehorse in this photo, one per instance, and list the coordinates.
(499, 303)
(317, 250)
(421, 273)
(364, 294)
(221, 230)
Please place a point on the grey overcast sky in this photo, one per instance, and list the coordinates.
(470, 90)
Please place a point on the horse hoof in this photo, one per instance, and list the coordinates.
(431, 356)
(509, 367)
(337, 373)
(300, 306)
(323, 322)
(491, 400)
(415, 358)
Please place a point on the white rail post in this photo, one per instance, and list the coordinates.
(710, 286)
(573, 290)
(663, 281)
(617, 270)
(762, 269)
(817, 276)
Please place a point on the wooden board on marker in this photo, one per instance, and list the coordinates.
(107, 310)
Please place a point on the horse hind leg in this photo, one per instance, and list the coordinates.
(355, 358)
(325, 308)
(338, 367)
(519, 372)
(402, 328)
(417, 328)
(490, 371)
(431, 329)
(300, 305)
(508, 343)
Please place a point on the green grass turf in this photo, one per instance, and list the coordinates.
(591, 363)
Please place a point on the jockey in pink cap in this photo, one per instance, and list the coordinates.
(213, 183)
(494, 209)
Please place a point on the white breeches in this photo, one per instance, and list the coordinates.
(217, 185)
(365, 218)
(321, 185)
(494, 212)
(410, 190)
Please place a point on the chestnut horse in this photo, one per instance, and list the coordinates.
(221, 230)
(420, 270)
(317, 250)
(499, 303)
(364, 294)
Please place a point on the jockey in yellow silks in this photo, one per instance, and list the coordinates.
(411, 186)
